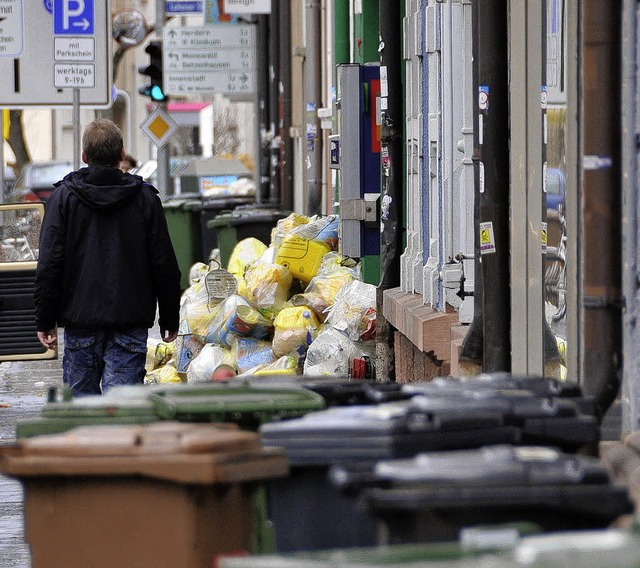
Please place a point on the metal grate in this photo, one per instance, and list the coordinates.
(18, 333)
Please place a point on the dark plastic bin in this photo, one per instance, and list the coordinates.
(337, 391)
(311, 513)
(209, 210)
(187, 219)
(540, 420)
(242, 224)
(432, 496)
(536, 385)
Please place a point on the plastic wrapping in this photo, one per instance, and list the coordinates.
(250, 353)
(197, 272)
(209, 360)
(220, 329)
(320, 229)
(331, 353)
(267, 287)
(187, 347)
(336, 271)
(354, 311)
(287, 365)
(295, 327)
(285, 226)
(197, 311)
(158, 353)
(246, 252)
(166, 374)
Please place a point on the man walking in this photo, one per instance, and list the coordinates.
(105, 260)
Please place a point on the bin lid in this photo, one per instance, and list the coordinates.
(499, 478)
(364, 433)
(337, 391)
(223, 204)
(197, 453)
(99, 406)
(583, 502)
(495, 465)
(245, 217)
(181, 203)
(542, 386)
(541, 419)
(232, 402)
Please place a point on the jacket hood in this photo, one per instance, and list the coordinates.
(100, 187)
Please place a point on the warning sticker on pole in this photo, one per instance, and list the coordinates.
(543, 236)
(487, 239)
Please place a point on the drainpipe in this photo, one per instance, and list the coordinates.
(602, 299)
(630, 221)
(274, 103)
(391, 145)
(262, 109)
(488, 340)
(313, 101)
(284, 107)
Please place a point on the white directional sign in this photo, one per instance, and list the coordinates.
(247, 6)
(11, 28)
(67, 45)
(216, 58)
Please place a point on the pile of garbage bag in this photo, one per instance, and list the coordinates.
(294, 307)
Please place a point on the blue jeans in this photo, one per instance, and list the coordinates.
(95, 361)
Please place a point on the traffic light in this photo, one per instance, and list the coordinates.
(154, 90)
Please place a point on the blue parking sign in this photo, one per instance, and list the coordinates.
(73, 17)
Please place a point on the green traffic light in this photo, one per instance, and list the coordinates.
(157, 94)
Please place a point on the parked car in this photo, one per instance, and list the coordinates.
(35, 182)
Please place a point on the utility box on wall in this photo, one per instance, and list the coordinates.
(358, 162)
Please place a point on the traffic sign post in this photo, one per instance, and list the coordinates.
(66, 46)
(159, 127)
(210, 59)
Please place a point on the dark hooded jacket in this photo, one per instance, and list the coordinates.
(105, 257)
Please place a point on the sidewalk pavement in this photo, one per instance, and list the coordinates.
(23, 391)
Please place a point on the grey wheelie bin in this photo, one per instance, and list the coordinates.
(432, 496)
(359, 436)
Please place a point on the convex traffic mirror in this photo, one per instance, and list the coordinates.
(129, 28)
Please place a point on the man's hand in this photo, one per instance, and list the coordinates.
(168, 336)
(48, 338)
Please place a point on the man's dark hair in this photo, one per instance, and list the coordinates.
(102, 143)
